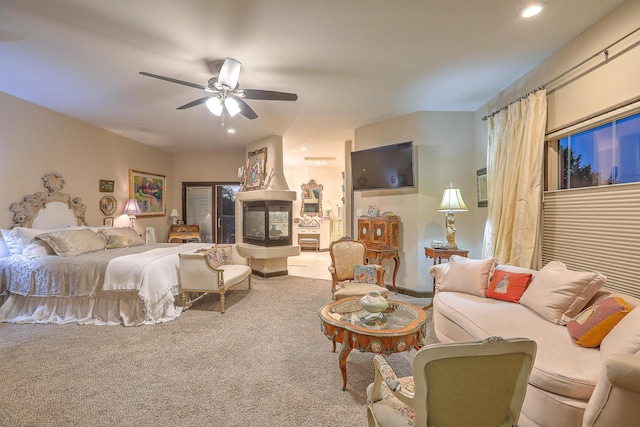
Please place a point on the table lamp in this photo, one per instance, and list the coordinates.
(132, 208)
(451, 202)
(174, 216)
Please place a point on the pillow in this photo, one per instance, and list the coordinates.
(211, 256)
(589, 328)
(19, 238)
(128, 232)
(224, 254)
(38, 248)
(4, 250)
(117, 241)
(508, 286)
(364, 273)
(73, 242)
(558, 294)
(470, 276)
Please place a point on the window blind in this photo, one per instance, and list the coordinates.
(595, 228)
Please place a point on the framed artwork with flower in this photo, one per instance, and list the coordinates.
(149, 190)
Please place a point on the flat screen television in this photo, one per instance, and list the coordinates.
(380, 168)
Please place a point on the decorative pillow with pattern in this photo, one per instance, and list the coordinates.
(117, 241)
(211, 256)
(224, 254)
(589, 328)
(364, 273)
(508, 286)
(73, 242)
(128, 232)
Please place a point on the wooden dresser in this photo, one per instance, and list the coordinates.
(381, 235)
(184, 233)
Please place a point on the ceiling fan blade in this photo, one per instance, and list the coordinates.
(169, 79)
(230, 73)
(245, 110)
(194, 103)
(269, 95)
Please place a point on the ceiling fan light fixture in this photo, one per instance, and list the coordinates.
(229, 73)
(232, 106)
(214, 104)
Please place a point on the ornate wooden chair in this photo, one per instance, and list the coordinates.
(346, 254)
(478, 383)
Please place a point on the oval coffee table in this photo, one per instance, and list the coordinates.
(399, 329)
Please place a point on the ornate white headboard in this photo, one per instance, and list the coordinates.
(49, 209)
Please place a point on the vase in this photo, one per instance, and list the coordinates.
(373, 302)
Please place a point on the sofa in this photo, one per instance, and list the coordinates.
(576, 380)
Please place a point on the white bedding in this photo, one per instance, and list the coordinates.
(136, 289)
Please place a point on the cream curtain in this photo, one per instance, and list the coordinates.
(514, 182)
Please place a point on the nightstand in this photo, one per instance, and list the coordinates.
(184, 233)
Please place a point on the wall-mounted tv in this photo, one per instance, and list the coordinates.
(386, 167)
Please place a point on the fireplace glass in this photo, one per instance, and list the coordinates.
(267, 222)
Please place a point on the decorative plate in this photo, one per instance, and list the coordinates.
(108, 205)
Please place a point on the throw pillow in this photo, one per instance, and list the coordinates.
(224, 254)
(117, 241)
(128, 232)
(210, 256)
(589, 328)
(508, 286)
(470, 276)
(73, 242)
(558, 294)
(37, 248)
(364, 273)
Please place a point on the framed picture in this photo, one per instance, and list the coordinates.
(108, 205)
(106, 186)
(481, 187)
(149, 189)
(256, 164)
(108, 221)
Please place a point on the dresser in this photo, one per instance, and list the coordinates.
(381, 235)
(184, 233)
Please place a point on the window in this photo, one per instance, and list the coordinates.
(608, 154)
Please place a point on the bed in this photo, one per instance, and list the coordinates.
(54, 268)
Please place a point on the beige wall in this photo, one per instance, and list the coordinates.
(35, 141)
(443, 144)
(598, 85)
(329, 176)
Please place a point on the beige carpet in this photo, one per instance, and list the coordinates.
(264, 362)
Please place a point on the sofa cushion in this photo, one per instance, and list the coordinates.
(589, 328)
(560, 366)
(467, 275)
(508, 286)
(558, 294)
(234, 274)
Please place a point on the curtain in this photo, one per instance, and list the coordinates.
(514, 182)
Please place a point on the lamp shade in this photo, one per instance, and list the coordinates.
(232, 106)
(214, 104)
(174, 213)
(132, 207)
(452, 201)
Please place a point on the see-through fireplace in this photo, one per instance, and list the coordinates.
(267, 222)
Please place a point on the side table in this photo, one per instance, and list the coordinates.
(184, 232)
(438, 255)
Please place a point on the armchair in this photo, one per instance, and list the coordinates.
(478, 383)
(346, 253)
(213, 270)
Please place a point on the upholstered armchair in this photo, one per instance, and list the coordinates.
(346, 253)
(213, 270)
(478, 383)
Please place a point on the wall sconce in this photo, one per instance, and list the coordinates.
(132, 208)
(174, 216)
(451, 202)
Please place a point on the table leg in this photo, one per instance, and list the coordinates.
(342, 358)
(396, 259)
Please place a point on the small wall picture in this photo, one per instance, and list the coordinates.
(106, 186)
(481, 187)
(108, 221)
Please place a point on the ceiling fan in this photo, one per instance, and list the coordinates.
(225, 94)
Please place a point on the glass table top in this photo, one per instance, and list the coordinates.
(348, 311)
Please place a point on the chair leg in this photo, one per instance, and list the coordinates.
(222, 300)
(184, 300)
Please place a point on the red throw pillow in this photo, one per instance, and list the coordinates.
(508, 286)
(590, 326)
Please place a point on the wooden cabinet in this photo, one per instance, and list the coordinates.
(380, 232)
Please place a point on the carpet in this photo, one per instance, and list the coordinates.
(264, 362)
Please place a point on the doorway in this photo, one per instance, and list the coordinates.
(211, 205)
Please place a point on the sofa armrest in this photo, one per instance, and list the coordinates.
(623, 370)
(437, 272)
(238, 258)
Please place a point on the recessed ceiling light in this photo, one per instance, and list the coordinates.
(531, 11)
(322, 163)
(304, 149)
(231, 131)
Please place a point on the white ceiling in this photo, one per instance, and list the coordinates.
(351, 62)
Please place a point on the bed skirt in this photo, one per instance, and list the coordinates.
(128, 310)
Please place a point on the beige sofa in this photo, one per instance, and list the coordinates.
(569, 385)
